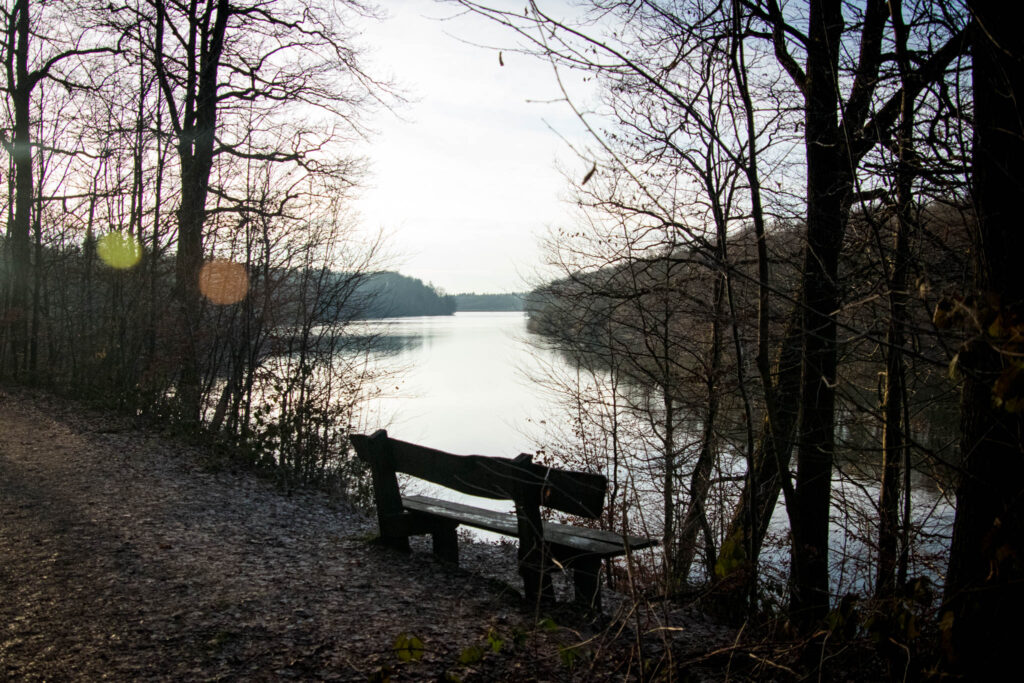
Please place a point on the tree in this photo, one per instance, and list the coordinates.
(258, 103)
(985, 584)
(842, 123)
(28, 61)
(233, 78)
(842, 104)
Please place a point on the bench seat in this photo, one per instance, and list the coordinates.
(573, 539)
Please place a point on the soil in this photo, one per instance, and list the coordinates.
(126, 553)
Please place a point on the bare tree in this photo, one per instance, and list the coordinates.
(29, 59)
(985, 584)
(216, 63)
(842, 105)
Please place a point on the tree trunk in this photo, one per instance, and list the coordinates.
(668, 535)
(196, 129)
(894, 397)
(188, 261)
(742, 544)
(21, 149)
(700, 481)
(985, 582)
(828, 183)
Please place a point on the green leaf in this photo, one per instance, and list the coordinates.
(495, 641)
(568, 656)
(471, 655)
(548, 624)
(408, 648)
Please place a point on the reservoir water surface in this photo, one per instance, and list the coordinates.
(467, 384)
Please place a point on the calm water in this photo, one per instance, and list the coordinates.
(463, 384)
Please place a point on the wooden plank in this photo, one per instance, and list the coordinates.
(534, 552)
(498, 522)
(563, 535)
(634, 542)
(473, 475)
(572, 541)
(577, 493)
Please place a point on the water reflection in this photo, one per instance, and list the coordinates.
(385, 345)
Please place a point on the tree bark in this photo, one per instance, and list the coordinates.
(19, 85)
(742, 544)
(828, 183)
(700, 480)
(195, 123)
(985, 583)
(894, 397)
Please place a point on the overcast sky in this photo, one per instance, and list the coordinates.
(467, 179)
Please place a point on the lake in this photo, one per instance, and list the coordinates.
(460, 383)
(465, 384)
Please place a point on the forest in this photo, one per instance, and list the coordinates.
(800, 225)
(471, 301)
(783, 273)
(388, 295)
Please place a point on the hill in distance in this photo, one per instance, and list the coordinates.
(389, 294)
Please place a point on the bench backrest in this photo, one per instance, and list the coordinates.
(517, 479)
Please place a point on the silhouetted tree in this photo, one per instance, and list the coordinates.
(985, 582)
(231, 77)
(29, 60)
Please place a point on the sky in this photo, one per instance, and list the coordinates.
(465, 179)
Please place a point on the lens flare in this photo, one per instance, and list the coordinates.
(223, 282)
(119, 250)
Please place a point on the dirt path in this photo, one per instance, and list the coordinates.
(126, 555)
(122, 556)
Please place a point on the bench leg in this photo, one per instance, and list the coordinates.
(393, 532)
(535, 568)
(586, 579)
(446, 543)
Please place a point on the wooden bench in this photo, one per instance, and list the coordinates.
(527, 484)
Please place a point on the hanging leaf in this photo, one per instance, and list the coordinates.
(590, 174)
